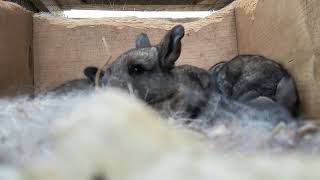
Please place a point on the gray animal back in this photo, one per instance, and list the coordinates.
(250, 72)
(74, 86)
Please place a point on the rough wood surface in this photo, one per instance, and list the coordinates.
(64, 47)
(16, 75)
(144, 4)
(289, 32)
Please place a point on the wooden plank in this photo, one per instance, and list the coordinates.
(142, 7)
(144, 4)
(16, 69)
(64, 47)
(289, 32)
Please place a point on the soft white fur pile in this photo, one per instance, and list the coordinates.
(112, 135)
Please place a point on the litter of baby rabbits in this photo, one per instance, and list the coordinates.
(110, 135)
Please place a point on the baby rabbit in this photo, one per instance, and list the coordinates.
(149, 72)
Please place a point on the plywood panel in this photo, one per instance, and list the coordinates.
(64, 47)
(144, 4)
(289, 32)
(16, 75)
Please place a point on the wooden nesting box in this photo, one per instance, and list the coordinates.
(286, 31)
(16, 74)
(64, 47)
(289, 32)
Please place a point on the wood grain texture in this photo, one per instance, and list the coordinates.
(289, 32)
(16, 75)
(144, 4)
(64, 47)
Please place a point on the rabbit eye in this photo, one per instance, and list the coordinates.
(136, 69)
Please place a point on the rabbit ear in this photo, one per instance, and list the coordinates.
(170, 47)
(90, 72)
(142, 41)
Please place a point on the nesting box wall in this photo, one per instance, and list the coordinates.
(289, 32)
(64, 47)
(16, 74)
